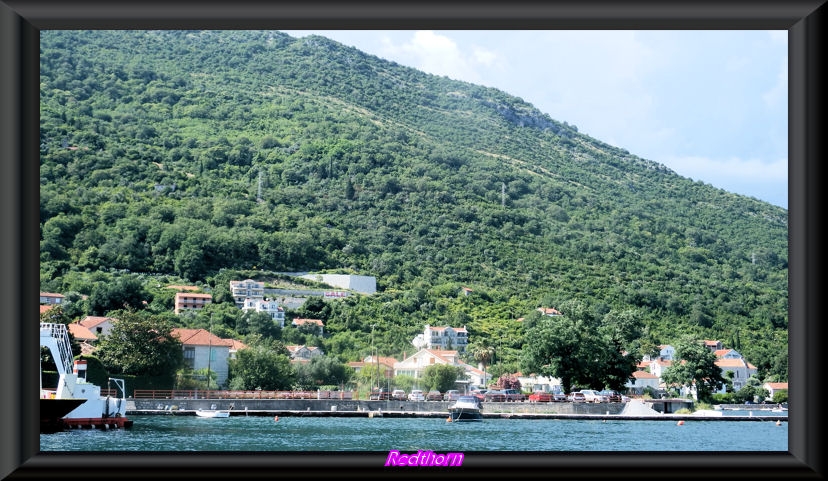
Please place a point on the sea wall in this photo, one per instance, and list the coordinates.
(364, 405)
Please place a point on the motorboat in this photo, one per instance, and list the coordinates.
(466, 408)
(213, 413)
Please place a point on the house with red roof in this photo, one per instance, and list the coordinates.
(773, 387)
(98, 325)
(51, 298)
(386, 365)
(204, 349)
(416, 364)
(303, 353)
(298, 322)
(740, 368)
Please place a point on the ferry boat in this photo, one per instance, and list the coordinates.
(466, 408)
(89, 409)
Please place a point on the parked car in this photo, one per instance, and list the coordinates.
(398, 395)
(513, 395)
(558, 397)
(576, 397)
(451, 395)
(434, 395)
(540, 397)
(380, 394)
(494, 396)
(592, 396)
(612, 396)
(416, 395)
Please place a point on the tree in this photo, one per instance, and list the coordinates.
(441, 377)
(695, 364)
(322, 370)
(141, 344)
(259, 367)
(483, 353)
(125, 292)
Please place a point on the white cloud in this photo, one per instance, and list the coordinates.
(742, 169)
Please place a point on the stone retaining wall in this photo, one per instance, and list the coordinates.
(363, 405)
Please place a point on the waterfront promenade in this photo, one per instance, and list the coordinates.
(633, 410)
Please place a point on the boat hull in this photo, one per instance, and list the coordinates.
(52, 412)
(465, 416)
(203, 413)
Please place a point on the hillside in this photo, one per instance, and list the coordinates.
(190, 154)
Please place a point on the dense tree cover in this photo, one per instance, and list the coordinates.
(695, 365)
(196, 155)
(584, 348)
(140, 344)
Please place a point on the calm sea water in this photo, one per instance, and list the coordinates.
(297, 434)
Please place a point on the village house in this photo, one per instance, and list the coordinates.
(303, 353)
(443, 338)
(773, 387)
(740, 368)
(267, 306)
(298, 322)
(416, 364)
(549, 311)
(51, 298)
(191, 301)
(386, 365)
(203, 349)
(246, 289)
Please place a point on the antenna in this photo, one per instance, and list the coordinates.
(503, 194)
(259, 193)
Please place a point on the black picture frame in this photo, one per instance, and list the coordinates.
(20, 23)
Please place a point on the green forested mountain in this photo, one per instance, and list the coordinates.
(188, 154)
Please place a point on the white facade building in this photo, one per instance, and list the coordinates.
(246, 289)
(268, 306)
(442, 338)
(362, 284)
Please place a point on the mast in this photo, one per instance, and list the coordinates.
(209, 350)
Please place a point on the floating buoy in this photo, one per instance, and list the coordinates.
(778, 422)
(448, 419)
(680, 423)
(276, 418)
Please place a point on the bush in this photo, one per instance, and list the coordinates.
(726, 398)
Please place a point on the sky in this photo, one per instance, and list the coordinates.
(711, 105)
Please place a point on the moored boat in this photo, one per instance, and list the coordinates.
(91, 409)
(213, 413)
(466, 408)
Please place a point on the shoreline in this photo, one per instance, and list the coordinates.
(443, 415)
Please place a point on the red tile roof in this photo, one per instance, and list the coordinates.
(200, 337)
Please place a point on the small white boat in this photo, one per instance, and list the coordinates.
(213, 413)
(466, 408)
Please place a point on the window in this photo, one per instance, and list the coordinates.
(189, 357)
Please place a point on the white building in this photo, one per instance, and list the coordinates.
(362, 284)
(246, 289)
(442, 338)
(268, 306)
(416, 364)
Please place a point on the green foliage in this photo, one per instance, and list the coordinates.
(259, 367)
(694, 364)
(198, 154)
(780, 396)
(582, 348)
(441, 377)
(140, 344)
(322, 370)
